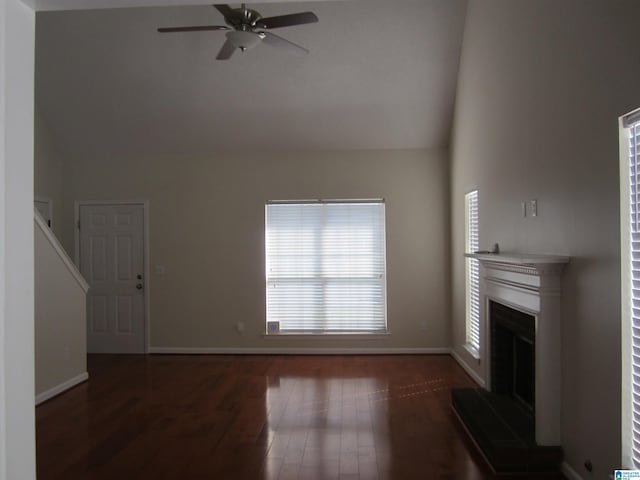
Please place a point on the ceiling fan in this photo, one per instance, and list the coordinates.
(246, 28)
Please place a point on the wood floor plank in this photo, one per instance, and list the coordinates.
(259, 417)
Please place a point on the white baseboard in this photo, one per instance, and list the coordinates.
(568, 471)
(62, 387)
(299, 351)
(479, 380)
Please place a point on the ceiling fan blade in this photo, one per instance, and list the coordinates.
(226, 51)
(225, 10)
(287, 20)
(279, 42)
(192, 29)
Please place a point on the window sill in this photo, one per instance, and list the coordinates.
(330, 335)
(474, 352)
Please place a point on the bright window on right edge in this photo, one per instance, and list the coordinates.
(472, 273)
(630, 269)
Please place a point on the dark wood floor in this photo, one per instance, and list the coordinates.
(258, 417)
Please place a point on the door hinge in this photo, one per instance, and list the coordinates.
(78, 223)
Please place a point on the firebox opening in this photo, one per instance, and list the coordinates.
(513, 354)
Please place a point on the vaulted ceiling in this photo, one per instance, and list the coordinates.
(379, 75)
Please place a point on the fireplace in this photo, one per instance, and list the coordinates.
(513, 354)
(515, 416)
(530, 284)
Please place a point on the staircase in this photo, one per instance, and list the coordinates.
(60, 316)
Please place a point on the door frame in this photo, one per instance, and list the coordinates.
(147, 268)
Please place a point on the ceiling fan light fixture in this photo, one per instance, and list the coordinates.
(243, 40)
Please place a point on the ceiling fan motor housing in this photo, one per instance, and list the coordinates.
(243, 23)
(243, 19)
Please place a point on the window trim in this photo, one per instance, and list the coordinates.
(331, 335)
(628, 413)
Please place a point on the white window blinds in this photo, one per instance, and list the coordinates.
(472, 272)
(325, 266)
(631, 328)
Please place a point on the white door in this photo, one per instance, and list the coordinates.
(112, 261)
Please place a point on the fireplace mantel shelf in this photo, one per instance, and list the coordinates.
(523, 259)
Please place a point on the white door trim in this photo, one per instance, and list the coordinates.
(147, 268)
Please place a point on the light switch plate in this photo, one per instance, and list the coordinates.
(533, 208)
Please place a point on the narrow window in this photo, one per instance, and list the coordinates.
(630, 268)
(472, 274)
(325, 266)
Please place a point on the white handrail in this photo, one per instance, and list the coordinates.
(42, 225)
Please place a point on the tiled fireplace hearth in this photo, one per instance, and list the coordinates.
(520, 297)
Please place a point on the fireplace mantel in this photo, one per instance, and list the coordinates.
(522, 262)
(532, 284)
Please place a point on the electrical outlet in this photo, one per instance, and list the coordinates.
(533, 208)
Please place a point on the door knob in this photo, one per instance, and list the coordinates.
(139, 286)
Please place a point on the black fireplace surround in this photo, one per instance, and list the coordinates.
(513, 337)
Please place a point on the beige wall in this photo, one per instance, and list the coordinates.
(48, 169)
(540, 89)
(60, 318)
(207, 229)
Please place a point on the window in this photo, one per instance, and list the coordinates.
(325, 266)
(630, 268)
(472, 273)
